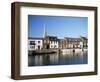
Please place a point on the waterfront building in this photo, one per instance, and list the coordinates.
(52, 42)
(62, 44)
(69, 42)
(72, 42)
(85, 41)
(35, 43)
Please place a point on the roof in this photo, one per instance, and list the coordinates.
(84, 38)
(52, 37)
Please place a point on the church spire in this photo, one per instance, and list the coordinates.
(45, 31)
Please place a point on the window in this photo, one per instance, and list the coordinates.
(55, 42)
(51, 46)
(32, 47)
(75, 40)
(38, 41)
(32, 42)
(44, 41)
(55, 46)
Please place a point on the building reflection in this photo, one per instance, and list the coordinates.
(58, 59)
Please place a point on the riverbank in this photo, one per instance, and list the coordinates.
(59, 51)
(77, 50)
(58, 59)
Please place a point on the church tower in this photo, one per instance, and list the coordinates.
(45, 31)
(45, 38)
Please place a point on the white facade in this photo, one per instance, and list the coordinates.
(54, 44)
(81, 44)
(35, 44)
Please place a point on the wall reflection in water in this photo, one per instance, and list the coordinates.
(58, 59)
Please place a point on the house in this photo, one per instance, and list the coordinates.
(85, 41)
(70, 42)
(62, 44)
(35, 43)
(50, 42)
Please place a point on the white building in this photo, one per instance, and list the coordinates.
(35, 43)
(81, 45)
(54, 42)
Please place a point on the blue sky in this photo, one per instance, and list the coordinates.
(60, 26)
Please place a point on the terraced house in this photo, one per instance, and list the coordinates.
(69, 42)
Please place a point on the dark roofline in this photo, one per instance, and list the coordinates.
(53, 36)
(84, 37)
(57, 37)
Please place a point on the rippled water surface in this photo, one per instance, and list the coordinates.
(58, 59)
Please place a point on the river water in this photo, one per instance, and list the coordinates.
(58, 59)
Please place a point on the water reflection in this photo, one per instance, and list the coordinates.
(58, 59)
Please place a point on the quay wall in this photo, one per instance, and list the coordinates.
(68, 51)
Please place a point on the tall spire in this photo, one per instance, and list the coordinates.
(45, 31)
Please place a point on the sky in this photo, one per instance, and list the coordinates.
(60, 26)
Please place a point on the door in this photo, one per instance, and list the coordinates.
(47, 46)
(38, 47)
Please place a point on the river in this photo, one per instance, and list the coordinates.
(58, 59)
